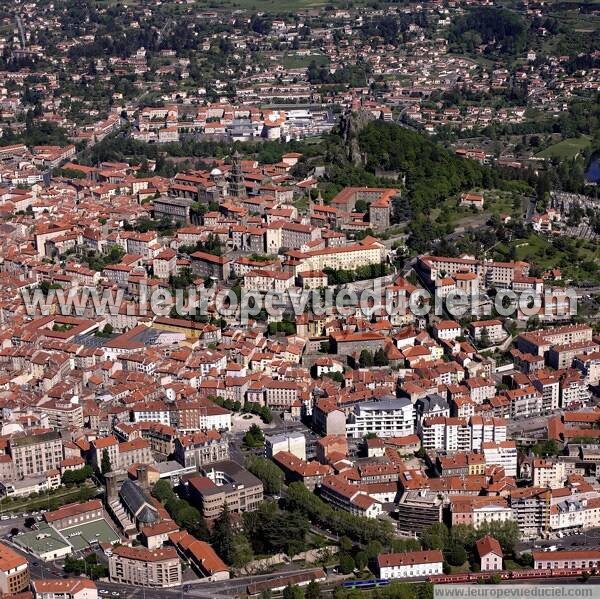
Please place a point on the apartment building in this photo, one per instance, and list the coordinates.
(294, 443)
(477, 511)
(490, 330)
(446, 330)
(411, 564)
(488, 272)
(14, 571)
(110, 445)
(389, 417)
(338, 492)
(446, 434)
(548, 473)
(524, 402)
(35, 454)
(280, 393)
(531, 507)
(198, 449)
(139, 566)
(136, 451)
(548, 385)
(503, 453)
(310, 474)
(63, 414)
(562, 356)
(487, 429)
(539, 342)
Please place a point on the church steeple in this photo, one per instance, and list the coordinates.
(237, 187)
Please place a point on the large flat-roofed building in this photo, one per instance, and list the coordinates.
(209, 265)
(416, 511)
(36, 454)
(175, 209)
(140, 566)
(14, 571)
(225, 483)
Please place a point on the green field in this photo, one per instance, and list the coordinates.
(296, 61)
(568, 148)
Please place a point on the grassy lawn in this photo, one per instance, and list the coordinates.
(576, 261)
(568, 148)
(296, 61)
(496, 202)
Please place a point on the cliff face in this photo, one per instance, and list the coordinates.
(351, 125)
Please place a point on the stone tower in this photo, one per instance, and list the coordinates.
(236, 179)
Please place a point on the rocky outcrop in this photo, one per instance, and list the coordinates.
(351, 124)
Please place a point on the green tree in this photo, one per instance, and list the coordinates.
(507, 533)
(455, 555)
(268, 472)
(435, 536)
(293, 592)
(242, 552)
(105, 465)
(380, 359)
(254, 437)
(366, 359)
(223, 537)
(162, 491)
(313, 590)
(347, 564)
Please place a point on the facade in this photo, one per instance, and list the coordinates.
(225, 483)
(36, 454)
(386, 418)
(489, 553)
(411, 564)
(75, 514)
(294, 443)
(556, 560)
(140, 566)
(201, 448)
(502, 454)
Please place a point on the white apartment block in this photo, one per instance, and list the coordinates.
(501, 454)
(386, 418)
(549, 473)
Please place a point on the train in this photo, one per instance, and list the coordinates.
(473, 577)
(506, 575)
